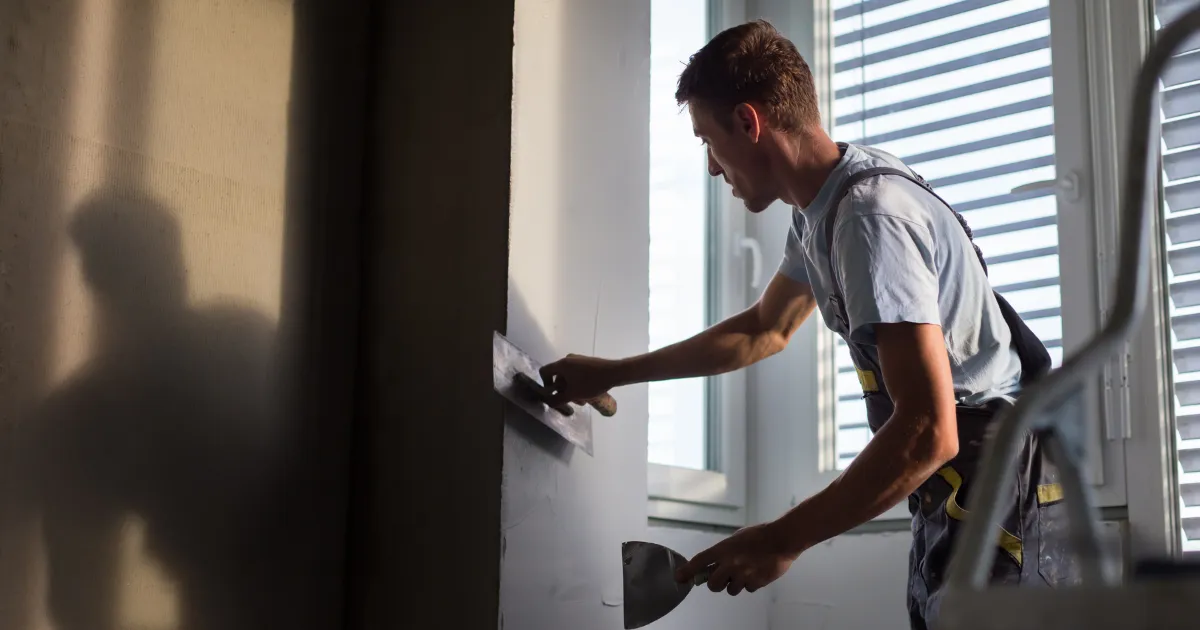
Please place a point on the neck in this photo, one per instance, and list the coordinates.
(809, 158)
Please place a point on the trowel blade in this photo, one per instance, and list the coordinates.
(509, 363)
(649, 579)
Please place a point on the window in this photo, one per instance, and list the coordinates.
(679, 236)
(1180, 114)
(963, 92)
(696, 435)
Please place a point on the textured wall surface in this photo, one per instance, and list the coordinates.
(154, 466)
(578, 257)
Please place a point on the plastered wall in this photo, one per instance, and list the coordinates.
(579, 247)
(153, 461)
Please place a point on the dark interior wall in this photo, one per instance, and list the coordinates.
(319, 325)
(425, 535)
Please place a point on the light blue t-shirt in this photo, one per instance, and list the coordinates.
(903, 257)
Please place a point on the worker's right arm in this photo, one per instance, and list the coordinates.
(741, 340)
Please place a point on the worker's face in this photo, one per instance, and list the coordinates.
(736, 153)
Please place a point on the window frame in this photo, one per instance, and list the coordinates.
(771, 461)
(1084, 129)
(1155, 504)
(717, 496)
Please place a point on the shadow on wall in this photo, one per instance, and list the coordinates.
(171, 424)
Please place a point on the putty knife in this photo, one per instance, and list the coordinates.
(516, 376)
(649, 579)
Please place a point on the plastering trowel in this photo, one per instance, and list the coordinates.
(516, 376)
(651, 590)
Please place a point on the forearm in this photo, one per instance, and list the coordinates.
(897, 460)
(732, 344)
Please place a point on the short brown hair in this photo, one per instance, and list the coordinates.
(752, 62)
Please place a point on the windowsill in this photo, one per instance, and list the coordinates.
(703, 528)
(695, 514)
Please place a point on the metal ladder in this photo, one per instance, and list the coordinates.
(1100, 601)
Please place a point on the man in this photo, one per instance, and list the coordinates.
(892, 270)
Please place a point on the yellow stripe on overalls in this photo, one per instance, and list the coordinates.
(1010, 543)
(866, 378)
(1049, 493)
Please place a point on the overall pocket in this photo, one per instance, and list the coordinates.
(1056, 559)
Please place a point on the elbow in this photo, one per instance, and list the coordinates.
(771, 343)
(941, 439)
(934, 436)
(944, 448)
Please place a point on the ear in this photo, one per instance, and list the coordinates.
(747, 120)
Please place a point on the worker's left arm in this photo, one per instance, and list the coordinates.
(891, 297)
(890, 279)
(919, 438)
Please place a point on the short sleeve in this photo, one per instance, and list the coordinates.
(888, 274)
(793, 265)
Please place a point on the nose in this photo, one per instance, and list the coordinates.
(714, 169)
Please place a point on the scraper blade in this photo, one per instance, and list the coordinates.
(651, 590)
(516, 376)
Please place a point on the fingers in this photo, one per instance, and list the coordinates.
(720, 578)
(698, 563)
(553, 382)
(736, 585)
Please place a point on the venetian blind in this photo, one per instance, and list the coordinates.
(961, 91)
(1180, 86)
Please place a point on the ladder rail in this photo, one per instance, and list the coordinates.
(1035, 408)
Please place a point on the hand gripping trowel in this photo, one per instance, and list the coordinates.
(649, 580)
(516, 376)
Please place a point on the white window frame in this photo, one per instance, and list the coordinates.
(718, 497)
(1152, 462)
(1085, 132)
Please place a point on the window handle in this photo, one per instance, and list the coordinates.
(1067, 184)
(747, 243)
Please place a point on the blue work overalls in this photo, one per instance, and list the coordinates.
(1031, 544)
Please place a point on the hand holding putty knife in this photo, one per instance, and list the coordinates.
(513, 377)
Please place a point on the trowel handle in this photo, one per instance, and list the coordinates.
(605, 404)
(701, 577)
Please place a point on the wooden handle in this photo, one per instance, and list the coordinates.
(605, 404)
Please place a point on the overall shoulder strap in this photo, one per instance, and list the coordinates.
(831, 218)
(1035, 360)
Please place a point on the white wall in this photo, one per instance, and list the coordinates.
(580, 239)
(851, 582)
(578, 253)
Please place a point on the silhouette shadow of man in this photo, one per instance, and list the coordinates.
(171, 424)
